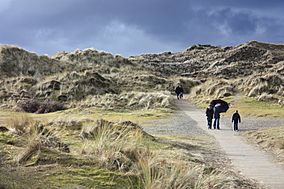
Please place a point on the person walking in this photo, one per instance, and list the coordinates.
(209, 115)
(236, 119)
(179, 92)
(216, 124)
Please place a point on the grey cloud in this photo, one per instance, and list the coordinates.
(135, 26)
(237, 22)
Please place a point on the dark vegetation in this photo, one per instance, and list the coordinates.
(36, 106)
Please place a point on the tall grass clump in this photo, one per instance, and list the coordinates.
(33, 135)
(113, 145)
(180, 175)
(20, 123)
(25, 126)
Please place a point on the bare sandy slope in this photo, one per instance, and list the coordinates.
(247, 159)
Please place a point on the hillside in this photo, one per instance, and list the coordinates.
(254, 69)
(70, 77)
(206, 61)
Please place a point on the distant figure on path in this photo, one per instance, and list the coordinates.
(209, 115)
(236, 119)
(179, 92)
(216, 124)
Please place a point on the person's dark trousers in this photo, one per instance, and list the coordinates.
(236, 127)
(216, 123)
(209, 121)
(178, 96)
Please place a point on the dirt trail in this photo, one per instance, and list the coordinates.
(247, 159)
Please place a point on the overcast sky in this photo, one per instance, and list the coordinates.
(131, 27)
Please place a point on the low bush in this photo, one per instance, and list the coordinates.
(36, 106)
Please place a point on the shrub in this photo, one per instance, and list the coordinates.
(35, 106)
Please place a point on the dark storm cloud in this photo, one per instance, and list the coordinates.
(135, 26)
(236, 21)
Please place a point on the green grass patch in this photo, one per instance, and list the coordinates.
(91, 178)
(247, 107)
(138, 116)
(7, 138)
(251, 107)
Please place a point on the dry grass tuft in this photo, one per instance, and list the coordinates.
(131, 100)
(266, 88)
(33, 147)
(159, 174)
(21, 124)
(214, 89)
(34, 135)
(114, 146)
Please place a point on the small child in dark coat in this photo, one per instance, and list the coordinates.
(236, 119)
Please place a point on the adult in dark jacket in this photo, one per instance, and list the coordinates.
(209, 115)
(216, 110)
(236, 119)
(179, 92)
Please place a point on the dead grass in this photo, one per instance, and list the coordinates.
(266, 88)
(32, 147)
(115, 146)
(270, 139)
(130, 101)
(157, 173)
(213, 89)
(21, 123)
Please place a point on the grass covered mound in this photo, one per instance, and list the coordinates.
(99, 154)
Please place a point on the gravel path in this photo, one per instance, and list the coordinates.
(247, 159)
(178, 124)
(182, 124)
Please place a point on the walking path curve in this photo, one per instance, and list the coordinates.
(246, 158)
